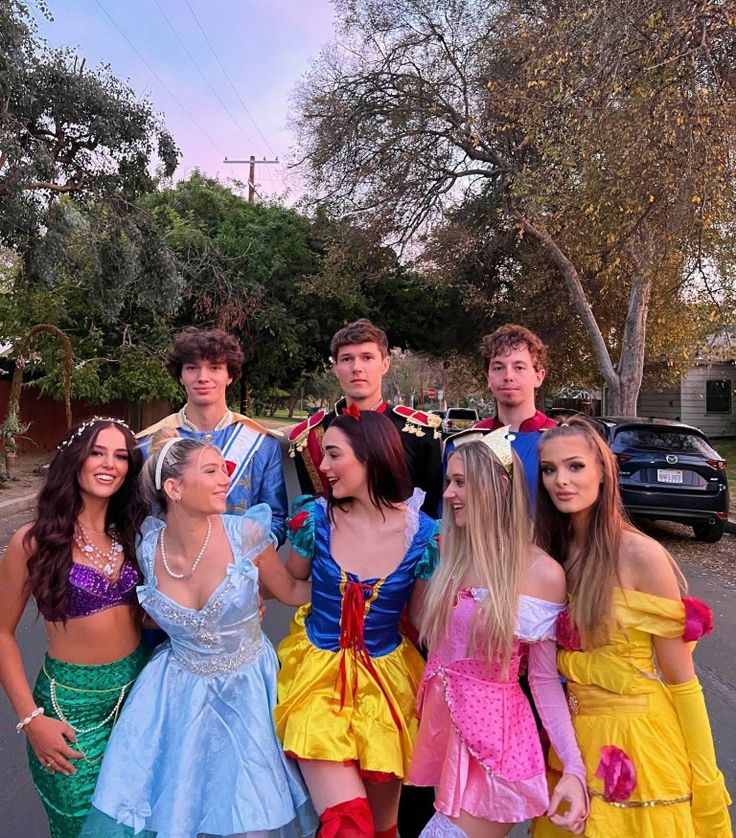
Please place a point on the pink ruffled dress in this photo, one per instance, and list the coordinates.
(478, 743)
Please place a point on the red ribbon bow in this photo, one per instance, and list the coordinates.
(352, 625)
(352, 410)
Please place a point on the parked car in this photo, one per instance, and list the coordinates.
(458, 418)
(669, 471)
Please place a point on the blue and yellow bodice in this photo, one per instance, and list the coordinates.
(346, 611)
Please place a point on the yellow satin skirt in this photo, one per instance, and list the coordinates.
(336, 706)
(646, 728)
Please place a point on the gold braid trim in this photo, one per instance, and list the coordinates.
(309, 463)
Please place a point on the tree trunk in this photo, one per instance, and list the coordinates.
(631, 360)
(624, 380)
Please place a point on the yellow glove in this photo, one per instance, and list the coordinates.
(710, 798)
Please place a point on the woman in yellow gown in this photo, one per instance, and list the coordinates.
(638, 707)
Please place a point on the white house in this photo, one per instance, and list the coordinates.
(704, 396)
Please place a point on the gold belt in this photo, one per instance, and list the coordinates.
(640, 804)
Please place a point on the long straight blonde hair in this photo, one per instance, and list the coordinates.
(491, 548)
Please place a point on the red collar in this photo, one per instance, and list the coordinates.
(341, 407)
(538, 422)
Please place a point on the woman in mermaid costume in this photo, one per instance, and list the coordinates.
(638, 708)
(491, 604)
(195, 752)
(348, 678)
(77, 559)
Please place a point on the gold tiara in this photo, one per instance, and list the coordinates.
(499, 441)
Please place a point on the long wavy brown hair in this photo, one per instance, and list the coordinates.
(49, 540)
(595, 572)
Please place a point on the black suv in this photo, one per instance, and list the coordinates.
(669, 471)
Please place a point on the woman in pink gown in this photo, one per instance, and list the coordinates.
(489, 609)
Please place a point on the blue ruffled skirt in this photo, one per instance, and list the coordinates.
(198, 756)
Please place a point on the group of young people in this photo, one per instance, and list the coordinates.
(427, 592)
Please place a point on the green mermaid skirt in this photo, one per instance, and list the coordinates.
(90, 699)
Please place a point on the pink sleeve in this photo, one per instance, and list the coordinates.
(549, 699)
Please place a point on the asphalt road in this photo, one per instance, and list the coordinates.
(21, 813)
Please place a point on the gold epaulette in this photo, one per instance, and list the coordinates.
(299, 434)
(170, 421)
(256, 426)
(416, 420)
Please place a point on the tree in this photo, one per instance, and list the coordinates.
(504, 278)
(284, 282)
(605, 130)
(70, 132)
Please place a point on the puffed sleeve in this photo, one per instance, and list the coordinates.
(255, 529)
(430, 557)
(300, 526)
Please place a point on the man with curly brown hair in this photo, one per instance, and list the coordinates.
(205, 363)
(515, 360)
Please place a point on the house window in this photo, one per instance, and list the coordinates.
(718, 395)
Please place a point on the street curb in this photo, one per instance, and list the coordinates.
(730, 526)
(10, 507)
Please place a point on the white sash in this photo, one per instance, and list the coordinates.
(240, 449)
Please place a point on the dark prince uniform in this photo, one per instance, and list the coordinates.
(420, 436)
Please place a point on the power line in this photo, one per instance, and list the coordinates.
(160, 80)
(238, 125)
(230, 81)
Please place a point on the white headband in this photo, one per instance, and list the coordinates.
(162, 458)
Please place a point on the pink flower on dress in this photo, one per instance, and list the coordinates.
(618, 774)
(698, 619)
(566, 631)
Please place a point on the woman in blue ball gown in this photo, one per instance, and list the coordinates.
(195, 751)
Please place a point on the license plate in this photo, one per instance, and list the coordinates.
(669, 475)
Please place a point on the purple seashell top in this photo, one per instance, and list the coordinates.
(90, 591)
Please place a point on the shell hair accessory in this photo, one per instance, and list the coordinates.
(88, 424)
(499, 441)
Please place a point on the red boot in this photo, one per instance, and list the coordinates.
(349, 819)
(387, 833)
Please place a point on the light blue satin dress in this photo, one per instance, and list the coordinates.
(194, 752)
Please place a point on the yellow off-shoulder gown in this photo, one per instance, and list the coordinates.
(617, 698)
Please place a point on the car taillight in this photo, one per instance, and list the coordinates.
(624, 458)
(719, 464)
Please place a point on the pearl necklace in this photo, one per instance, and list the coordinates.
(196, 561)
(109, 561)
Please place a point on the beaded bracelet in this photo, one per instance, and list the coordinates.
(38, 711)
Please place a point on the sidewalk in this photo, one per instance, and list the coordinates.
(20, 494)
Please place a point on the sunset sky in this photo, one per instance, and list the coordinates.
(263, 48)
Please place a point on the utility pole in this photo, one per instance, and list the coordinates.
(252, 172)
